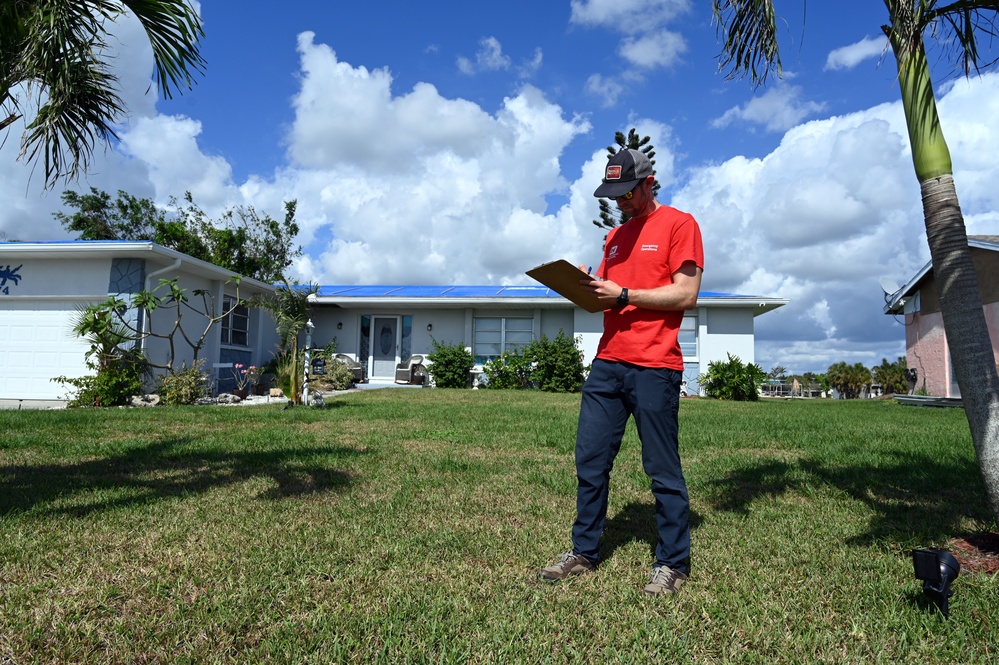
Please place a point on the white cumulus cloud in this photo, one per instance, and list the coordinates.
(488, 58)
(848, 57)
(778, 109)
(656, 49)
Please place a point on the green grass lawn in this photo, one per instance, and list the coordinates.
(407, 526)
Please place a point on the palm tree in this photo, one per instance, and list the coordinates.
(748, 29)
(291, 307)
(891, 376)
(55, 60)
(111, 342)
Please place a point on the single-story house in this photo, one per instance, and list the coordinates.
(43, 285)
(926, 349)
(383, 325)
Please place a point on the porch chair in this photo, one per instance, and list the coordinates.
(411, 370)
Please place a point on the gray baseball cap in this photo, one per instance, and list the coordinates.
(625, 169)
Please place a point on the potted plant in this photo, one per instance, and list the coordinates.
(246, 378)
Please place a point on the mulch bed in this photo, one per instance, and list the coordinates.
(978, 553)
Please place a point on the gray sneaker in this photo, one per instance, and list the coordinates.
(665, 580)
(567, 564)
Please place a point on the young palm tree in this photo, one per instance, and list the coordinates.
(749, 35)
(290, 307)
(54, 62)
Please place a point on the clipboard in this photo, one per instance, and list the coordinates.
(563, 277)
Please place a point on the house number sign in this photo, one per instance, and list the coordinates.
(8, 274)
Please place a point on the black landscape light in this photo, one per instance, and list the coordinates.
(937, 569)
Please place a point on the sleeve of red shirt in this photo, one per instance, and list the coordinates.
(686, 245)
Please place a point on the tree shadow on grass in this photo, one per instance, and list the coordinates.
(909, 494)
(163, 470)
(636, 522)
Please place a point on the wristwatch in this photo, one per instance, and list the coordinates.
(622, 299)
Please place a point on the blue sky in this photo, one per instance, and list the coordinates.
(447, 143)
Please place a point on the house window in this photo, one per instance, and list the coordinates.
(688, 336)
(362, 351)
(406, 347)
(235, 326)
(491, 336)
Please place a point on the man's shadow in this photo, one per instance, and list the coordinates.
(636, 522)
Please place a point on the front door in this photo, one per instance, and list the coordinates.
(384, 347)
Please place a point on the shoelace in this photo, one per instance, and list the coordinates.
(664, 577)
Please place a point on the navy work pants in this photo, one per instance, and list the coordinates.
(613, 392)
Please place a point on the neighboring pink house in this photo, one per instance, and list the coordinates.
(926, 349)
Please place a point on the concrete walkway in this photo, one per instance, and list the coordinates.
(32, 404)
(17, 404)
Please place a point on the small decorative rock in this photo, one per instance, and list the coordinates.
(144, 400)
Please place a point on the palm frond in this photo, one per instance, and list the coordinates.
(175, 31)
(58, 49)
(748, 32)
(964, 23)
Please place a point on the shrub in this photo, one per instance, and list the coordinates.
(732, 379)
(338, 376)
(114, 355)
(115, 384)
(451, 365)
(511, 370)
(558, 363)
(551, 365)
(186, 386)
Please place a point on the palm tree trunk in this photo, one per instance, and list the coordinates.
(965, 326)
(956, 282)
(294, 396)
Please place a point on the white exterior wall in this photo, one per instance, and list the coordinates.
(589, 326)
(193, 323)
(723, 331)
(449, 328)
(554, 320)
(49, 278)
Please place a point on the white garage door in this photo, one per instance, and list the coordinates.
(36, 344)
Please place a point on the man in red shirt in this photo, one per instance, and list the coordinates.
(650, 274)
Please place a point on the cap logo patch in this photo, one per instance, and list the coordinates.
(613, 172)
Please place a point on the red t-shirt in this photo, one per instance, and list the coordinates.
(643, 253)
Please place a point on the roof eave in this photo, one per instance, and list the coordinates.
(453, 303)
(897, 300)
(128, 249)
(757, 304)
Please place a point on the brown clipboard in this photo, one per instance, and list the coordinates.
(563, 277)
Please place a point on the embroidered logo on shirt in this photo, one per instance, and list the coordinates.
(650, 248)
(612, 254)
